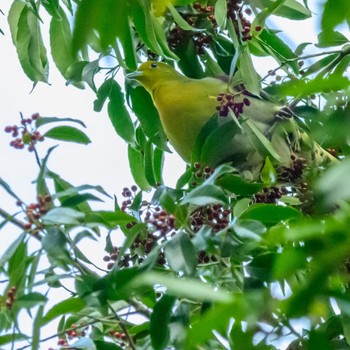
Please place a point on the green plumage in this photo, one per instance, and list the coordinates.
(186, 105)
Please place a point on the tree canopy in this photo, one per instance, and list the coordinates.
(222, 260)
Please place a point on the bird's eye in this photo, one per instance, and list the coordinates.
(154, 65)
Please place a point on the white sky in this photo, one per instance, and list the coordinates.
(103, 162)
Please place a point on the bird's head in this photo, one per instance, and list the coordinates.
(151, 73)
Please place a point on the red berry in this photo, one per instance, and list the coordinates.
(27, 225)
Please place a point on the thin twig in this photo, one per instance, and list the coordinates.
(10, 218)
(341, 53)
(122, 326)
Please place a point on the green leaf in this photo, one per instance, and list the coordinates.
(159, 323)
(88, 72)
(202, 331)
(291, 9)
(110, 219)
(235, 184)
(74, 73)
(52, 7)
(63, 216)
(333, 184)
(220, 13)
(268, 173)
(248, 73)
(182, 287)
(261, 17)
(108, 18)
(249, 230)
(54, 243)
(77, 199)
(270, 214)
(149, 163)
(70, 305)
(17, 265)
(13, 18)
(264, 145)
(61, 42)
(335, 12)
(278, 49)
(180, 21)
(147, 114)
(30, 300)
(206, 194)
(181, 255)
(318, 65)
(40, 181)
(67, 133)
(148, 28)
(104, 345)
(12, 249)
(289, 262)
(137, 168)
(218, 145)
(10, 338)
(35, 344)
(30, 47)
(162, 38)
(158, 162)
(331, 38)
(47, 120)
(71, 190)
(303, 88)
(117, 111)
(143, 24)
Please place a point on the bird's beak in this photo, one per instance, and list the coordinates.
(132, 78)
(133, 75)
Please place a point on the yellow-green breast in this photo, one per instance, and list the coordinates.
(184, 107)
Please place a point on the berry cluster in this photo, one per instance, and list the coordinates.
(161, 221)
(201, 41)
(208, 11)
(113, 256)
(35, 211)
(306, 197)
(29, 135)
(129, 194)
(204, 258)
(176, 37)
(332, 151)
(160, 224)
(11, 295)
(120, 336)
(241, 24)
(214, 216)
(227, 102)
(294, 172)
(270, 195)
(200, 173)
(62, 342)
(143, 246)
(75, 331)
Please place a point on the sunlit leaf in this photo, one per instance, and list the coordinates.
(67, 133)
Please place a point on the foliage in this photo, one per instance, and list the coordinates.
(217, 262)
